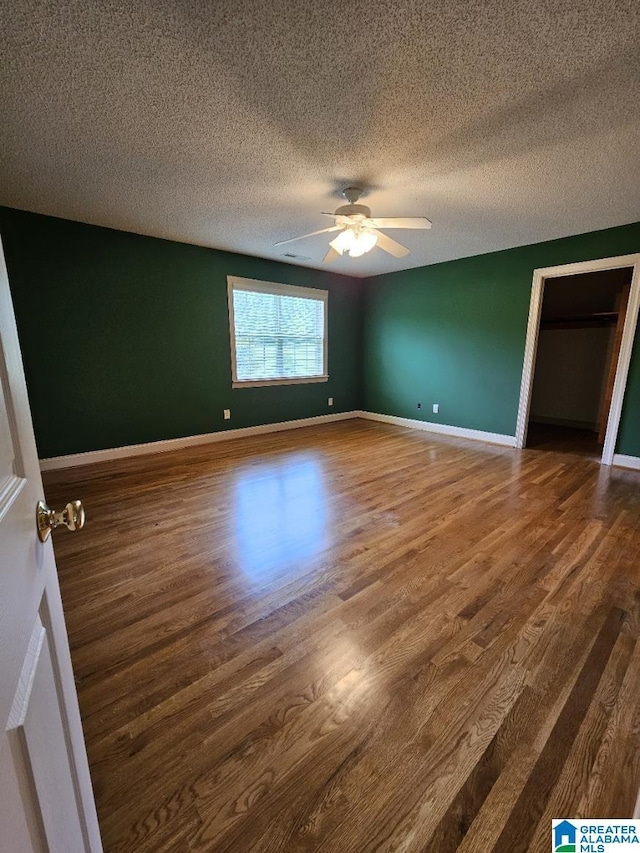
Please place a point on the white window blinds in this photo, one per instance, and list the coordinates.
(278, 332)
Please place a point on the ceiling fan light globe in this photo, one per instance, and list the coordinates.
(367, 240)
(344, 242)
(363, 242)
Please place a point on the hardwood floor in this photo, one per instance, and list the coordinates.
(564, 439)
(354, 637)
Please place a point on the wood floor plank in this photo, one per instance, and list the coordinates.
(608, 783)
(578, 768)
(351, 638)
(529, 806)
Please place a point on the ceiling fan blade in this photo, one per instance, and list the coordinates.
(312, 234)
(330, 256)
(401, 222)
(391, 246)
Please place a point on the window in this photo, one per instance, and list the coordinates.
(278, 333)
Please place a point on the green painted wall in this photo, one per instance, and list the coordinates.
(454, 334)
(125, 338)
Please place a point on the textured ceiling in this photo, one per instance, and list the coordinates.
(233, 123)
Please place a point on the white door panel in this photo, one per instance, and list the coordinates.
(47, 801)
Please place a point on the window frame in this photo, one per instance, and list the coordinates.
(276, 289)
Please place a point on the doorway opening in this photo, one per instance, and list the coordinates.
(579, 339)
(582, 324)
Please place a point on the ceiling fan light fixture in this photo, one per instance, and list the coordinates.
(344, 242)
(359, 232)
(354, 242)
(364, 242)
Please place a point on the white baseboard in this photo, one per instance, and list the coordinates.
(75, 459)
(623, 461)
(443, 429)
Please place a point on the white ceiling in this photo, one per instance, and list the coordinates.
(233, 123)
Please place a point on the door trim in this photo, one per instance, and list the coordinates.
(624, 359)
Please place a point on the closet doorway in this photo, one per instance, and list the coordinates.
(581, 328)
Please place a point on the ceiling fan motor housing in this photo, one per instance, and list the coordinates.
(353, 210)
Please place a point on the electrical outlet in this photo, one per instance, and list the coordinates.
(330, 401)
(227, 414)
(436, 408)
(419, 405)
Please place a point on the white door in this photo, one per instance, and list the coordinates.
(46, 800)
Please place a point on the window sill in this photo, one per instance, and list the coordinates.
(257, 383)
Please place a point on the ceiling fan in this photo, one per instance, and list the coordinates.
(359, 233)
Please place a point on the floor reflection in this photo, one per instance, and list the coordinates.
(280, 514)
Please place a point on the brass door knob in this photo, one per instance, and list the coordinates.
(72, 516)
